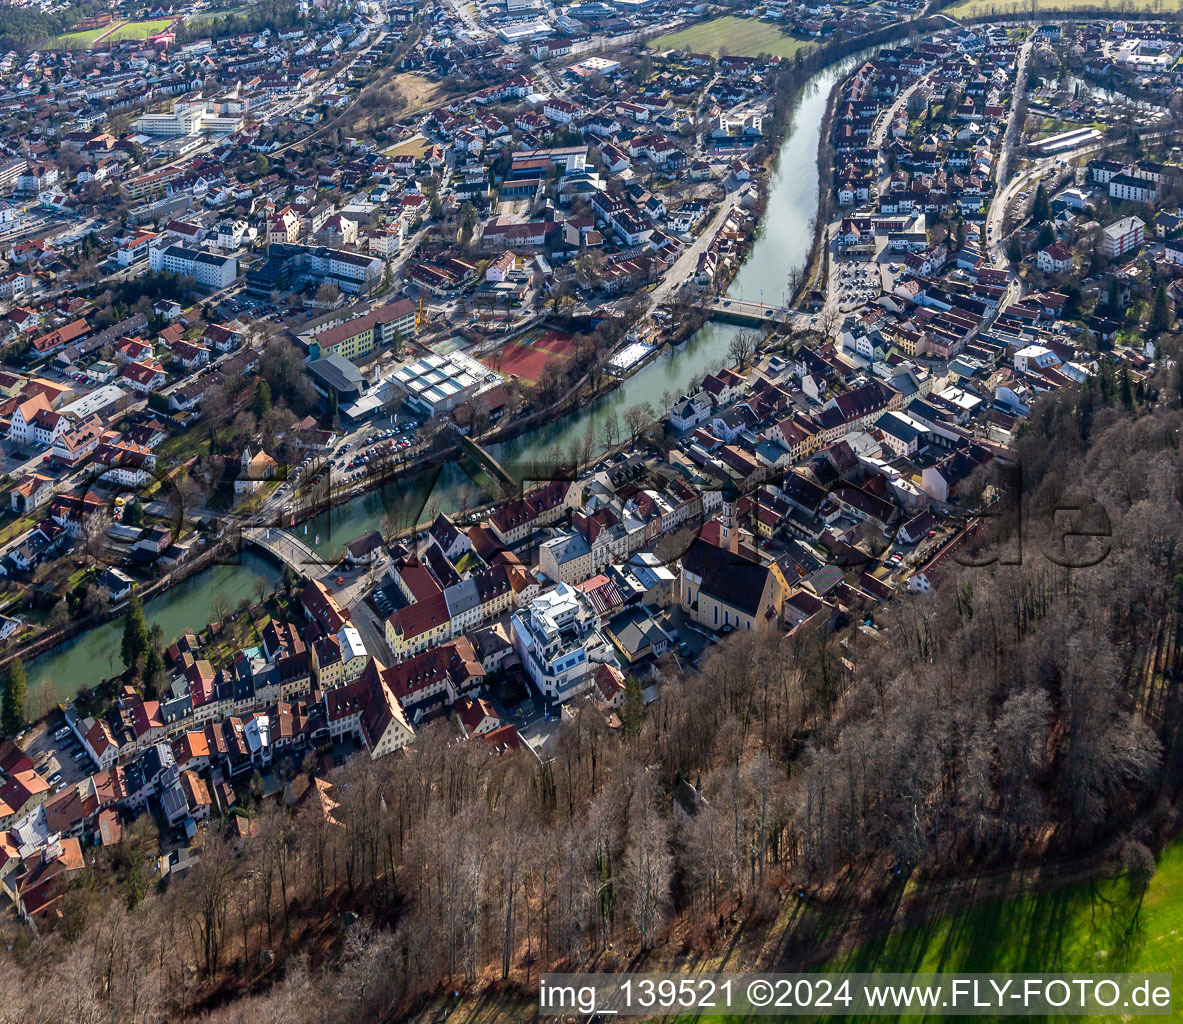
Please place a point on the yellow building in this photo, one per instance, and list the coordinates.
(720, 588)
(419, 626)
(328, 668)
(357, 338)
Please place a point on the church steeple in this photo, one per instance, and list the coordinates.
(728, 530)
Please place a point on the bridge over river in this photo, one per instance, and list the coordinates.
(286, 548)
(752, 314)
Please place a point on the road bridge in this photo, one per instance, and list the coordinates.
(747, 313)
(287, 549)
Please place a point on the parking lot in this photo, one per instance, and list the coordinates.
(854, 283)
(691, 640)
(56, 760)
(395, 442)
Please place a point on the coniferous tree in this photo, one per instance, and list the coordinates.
(262, 401)
(1040, 208)
(1160, 317)
(15, 685)
(135, 633)
(153, 671)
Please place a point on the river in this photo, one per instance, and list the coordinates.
(783, 243)
(94, 655)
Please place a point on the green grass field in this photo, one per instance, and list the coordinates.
(141, 29)
(978, 8)
(1091, 927)
(78, 40)
(206, 17)
(1094, 927)
(740, 37)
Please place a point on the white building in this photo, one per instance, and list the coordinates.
(188, 117)
(1035, 357)
(232, 233)
(558, 641)
(1133, 188)
(354, 655)
(1122, 236)
(1055, 259)
(206, 268)
(437, 384)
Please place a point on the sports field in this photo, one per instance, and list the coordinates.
(732, 36)
(141, 29)
(979, 8)
(114, 32)
(528, 357)
(80, 40)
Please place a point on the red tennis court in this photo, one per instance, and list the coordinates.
(527, 358)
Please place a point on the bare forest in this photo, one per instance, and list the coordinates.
(1024, 709)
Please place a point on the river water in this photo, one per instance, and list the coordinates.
(94, 655)
(783, 243)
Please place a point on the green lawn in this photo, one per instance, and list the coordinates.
(79, 40)
(740, 37)
(1079, 928)
(1084, 928)
(977, 8)
(206, 17)
(194, 441)
(141, 29)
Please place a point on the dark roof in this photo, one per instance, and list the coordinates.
(635, 631)
(726, 576)
(337, 373)
(361, 546)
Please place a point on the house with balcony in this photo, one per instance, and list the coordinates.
(558, 640)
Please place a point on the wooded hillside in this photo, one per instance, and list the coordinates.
(1017, 712)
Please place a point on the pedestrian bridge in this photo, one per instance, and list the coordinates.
(501, 476)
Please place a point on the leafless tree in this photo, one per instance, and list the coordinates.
(637, 418)
(1139, 866)
(647, 870)
(610, 429)
(742, 346)
(207, 889)
(793, 281)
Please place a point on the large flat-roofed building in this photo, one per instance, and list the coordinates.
(335, 375)
(525, 31)
(1122, 236)
(557, 637)
(188, 117)
(289, 265)
(100, 401)
(569, 158)
(208, 269)
(359, 336)
(437, 384)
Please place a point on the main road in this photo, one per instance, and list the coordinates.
(686, 264)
